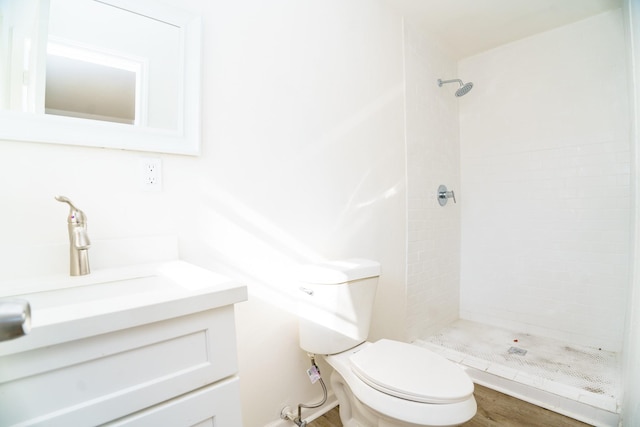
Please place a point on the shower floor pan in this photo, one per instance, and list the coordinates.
(577, 381)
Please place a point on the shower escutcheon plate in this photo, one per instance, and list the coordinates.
(444, 195)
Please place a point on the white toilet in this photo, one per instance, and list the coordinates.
(382, 384)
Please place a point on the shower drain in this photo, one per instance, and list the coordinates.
(517, 350)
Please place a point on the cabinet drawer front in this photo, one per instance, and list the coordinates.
(217, 405)
(98, 379)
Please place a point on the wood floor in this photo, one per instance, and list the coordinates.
(494, 410)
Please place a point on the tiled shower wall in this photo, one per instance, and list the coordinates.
(432, 159)
(545, 191)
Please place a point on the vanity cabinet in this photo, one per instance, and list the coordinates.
(167, 361)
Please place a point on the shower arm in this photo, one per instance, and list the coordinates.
(441, 82)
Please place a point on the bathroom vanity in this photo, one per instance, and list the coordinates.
(144, 345)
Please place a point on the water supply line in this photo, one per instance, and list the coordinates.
(314, 375)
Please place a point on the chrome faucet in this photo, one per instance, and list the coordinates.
(79, 243)
(15, 318)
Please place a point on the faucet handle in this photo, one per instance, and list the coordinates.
(76, 216)
(64, 199)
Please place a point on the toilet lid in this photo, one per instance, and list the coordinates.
(411, 372)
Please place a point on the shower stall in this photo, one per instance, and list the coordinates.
(525, 280)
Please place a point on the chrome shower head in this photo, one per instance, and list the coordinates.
(462, 90)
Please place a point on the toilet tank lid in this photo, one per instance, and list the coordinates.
(342, 271)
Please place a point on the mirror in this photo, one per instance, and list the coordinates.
(104, 73)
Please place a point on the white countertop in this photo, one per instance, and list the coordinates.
(113, 299)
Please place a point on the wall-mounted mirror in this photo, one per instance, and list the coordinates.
(105, 73)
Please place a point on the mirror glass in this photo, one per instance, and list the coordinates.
(108, 73)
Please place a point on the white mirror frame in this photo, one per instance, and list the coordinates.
(33, 127)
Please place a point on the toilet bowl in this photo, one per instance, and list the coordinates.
(382, 384)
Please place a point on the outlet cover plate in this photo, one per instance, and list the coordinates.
(150, 174)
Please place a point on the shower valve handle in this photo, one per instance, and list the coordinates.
(444, 195)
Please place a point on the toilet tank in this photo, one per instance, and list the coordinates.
(335, 304)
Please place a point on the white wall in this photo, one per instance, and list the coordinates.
(433, 158)
(305, 162)
(303, 159)
(546, 184)
(631, 351)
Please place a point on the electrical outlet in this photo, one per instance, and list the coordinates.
(151, 174)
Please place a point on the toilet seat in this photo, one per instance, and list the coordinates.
(410, 372)
(392, 407)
